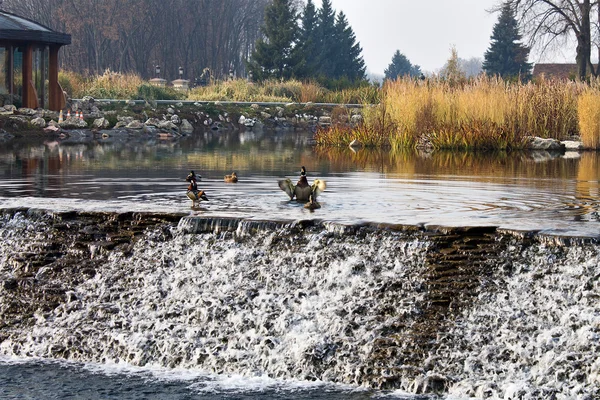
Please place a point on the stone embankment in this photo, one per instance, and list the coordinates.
(169, 119)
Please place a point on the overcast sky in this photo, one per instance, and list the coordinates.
(424, 31)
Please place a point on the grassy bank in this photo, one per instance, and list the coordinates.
(485, 113)
(112, 85)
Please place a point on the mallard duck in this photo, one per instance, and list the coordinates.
(302, 190)
(192, 191)
(312, 203)
(231, 178)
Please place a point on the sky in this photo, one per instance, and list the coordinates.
(423, 30)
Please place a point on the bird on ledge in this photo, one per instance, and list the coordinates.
(192, 192)
(231, 178)
(302, 190)
(312, 203)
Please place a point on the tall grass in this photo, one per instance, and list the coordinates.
(112, 85)
(485, 113)
(588, 109)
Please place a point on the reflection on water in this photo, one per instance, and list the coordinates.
(517, 190)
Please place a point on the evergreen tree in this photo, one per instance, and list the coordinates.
(326, 37)
(347, 53)
(400, 67)
(506, 56)
(272, 57)
(306, 51)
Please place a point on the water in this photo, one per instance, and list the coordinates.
(253, 314)
(517, 191)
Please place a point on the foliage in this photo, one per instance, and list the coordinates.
(588, 110)
(306, 50)
(485, 113)
(111, 85)
(272, 57)
(452, 72)
(506, 56)
(400, 67)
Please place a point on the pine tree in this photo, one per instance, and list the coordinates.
(272, 57)
(326, 40)
(400, 67)
(347, 54)
(506, 56)
(306, 52)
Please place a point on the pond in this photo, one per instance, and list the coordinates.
(557, 193)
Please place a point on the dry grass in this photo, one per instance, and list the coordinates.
(485, 113)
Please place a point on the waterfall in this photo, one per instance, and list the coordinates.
(461, 311)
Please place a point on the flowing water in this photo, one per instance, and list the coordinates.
(421, 275)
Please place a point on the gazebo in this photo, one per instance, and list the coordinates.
(29, 63)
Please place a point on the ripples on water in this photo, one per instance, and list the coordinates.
(527, 191)
(518, 191)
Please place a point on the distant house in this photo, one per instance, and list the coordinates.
(555, 71)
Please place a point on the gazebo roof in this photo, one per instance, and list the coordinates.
(16, 28)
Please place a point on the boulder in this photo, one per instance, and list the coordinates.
(186, 127)
(100, 123)
(152, 122)
(537, 143)
(38, 122)
(26, 111)
(572, 145)
(135, 124)
(168, 125)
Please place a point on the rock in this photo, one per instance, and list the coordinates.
(126, 120)
(27, 111)
(152, 122)
(73, 123)
(131, 103)
(356, 119)
(242, 120)
(279, 112)
(170, 111)
(186, 127)
(10, 107)
(572, 145)
(38, 122)
(135, 124)
(167, 125)
(175, 119)
(51, 129)
(537, 143)
(325, 120)
(255, 106)
(265, 115)
(100, 123)
(88, 99)
(179, 104)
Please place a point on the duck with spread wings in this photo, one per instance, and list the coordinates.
(302, 191)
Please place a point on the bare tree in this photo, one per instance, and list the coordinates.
(545, 21)
(136, 35)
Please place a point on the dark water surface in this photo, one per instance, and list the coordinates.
(557, 192)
